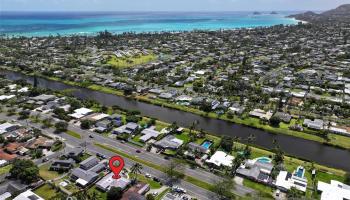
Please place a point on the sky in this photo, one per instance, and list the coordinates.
(169, 5)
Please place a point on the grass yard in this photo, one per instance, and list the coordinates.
(161, 195)
(183, 136)
(264, 191)
(125, 62)
(5, 169)
(73, 134)
(99, 194)
(153, 184)
(46, 174)
(46, 191)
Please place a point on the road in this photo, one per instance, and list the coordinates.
(198, 173)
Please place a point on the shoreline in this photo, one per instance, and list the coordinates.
(211, 115)
(42, 33)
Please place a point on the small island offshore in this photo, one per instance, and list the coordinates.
(242, 113)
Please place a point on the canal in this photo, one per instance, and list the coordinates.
(298, 147)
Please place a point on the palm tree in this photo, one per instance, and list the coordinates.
(136, 169)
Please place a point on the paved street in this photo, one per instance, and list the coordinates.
(129, 149)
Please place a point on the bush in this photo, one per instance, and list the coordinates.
(25, 170)
(61, 127)
(85, 124)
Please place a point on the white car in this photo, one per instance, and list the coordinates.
(148, 175)
(155, 194)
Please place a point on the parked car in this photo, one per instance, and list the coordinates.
(148, 175)
(101, 155)
(138, 151)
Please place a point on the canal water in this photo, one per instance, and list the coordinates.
(298, 147)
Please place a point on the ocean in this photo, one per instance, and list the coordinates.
(88, 23)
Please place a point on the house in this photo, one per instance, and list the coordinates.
(256, 170)
(136, 192)
(285, 117)
(197, 148)
(128, 128)
(62, 165)
(116, 119)
(28, 195)
(82, 177)
(334, 191)
(169, 142)
(220, 158)
(103, 125)
(8, 127)
(261, 114)
(80, 113)
(74, 153)
(316, 124)
(44, 97)
(285, 180)
(166, 95)
(6, 156)
(149, 133)
(95, 117)
(89, 162)
(107, 182)
(236, 109)
(99, 167)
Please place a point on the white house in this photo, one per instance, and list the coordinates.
(334, 191)
(28, 195)
(221, 158)
(81, 112)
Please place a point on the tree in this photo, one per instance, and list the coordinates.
(114, 193)
(222, 189)
(24, 170)
(37, 153)
(2, 139)
(61, 127)
(150, 197)
(275, 121)
(85, 124)
(174, 171)
(278, 156)
(24, 114)
(61, 114)
(347, 179)
(236, 163)
(136, 169)
(226, 143)
(294, 193)
(47, 122)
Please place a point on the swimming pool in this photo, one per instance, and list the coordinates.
(264, 160)
(206, 144)
(299, 172)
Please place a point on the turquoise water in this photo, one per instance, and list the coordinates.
(299, 172)
(63, 23)
(206, 144)
(264, 160)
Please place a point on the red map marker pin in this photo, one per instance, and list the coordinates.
(116, 169)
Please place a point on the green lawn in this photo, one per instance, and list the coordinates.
(99, 194)
(162, 194)
(264, 190)
(73, 134)
(46, 174)
(46, 191)
(5, 169)
(153, 184)
(183, 136)
(125, 62)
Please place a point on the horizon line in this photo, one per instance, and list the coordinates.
(196, 11)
